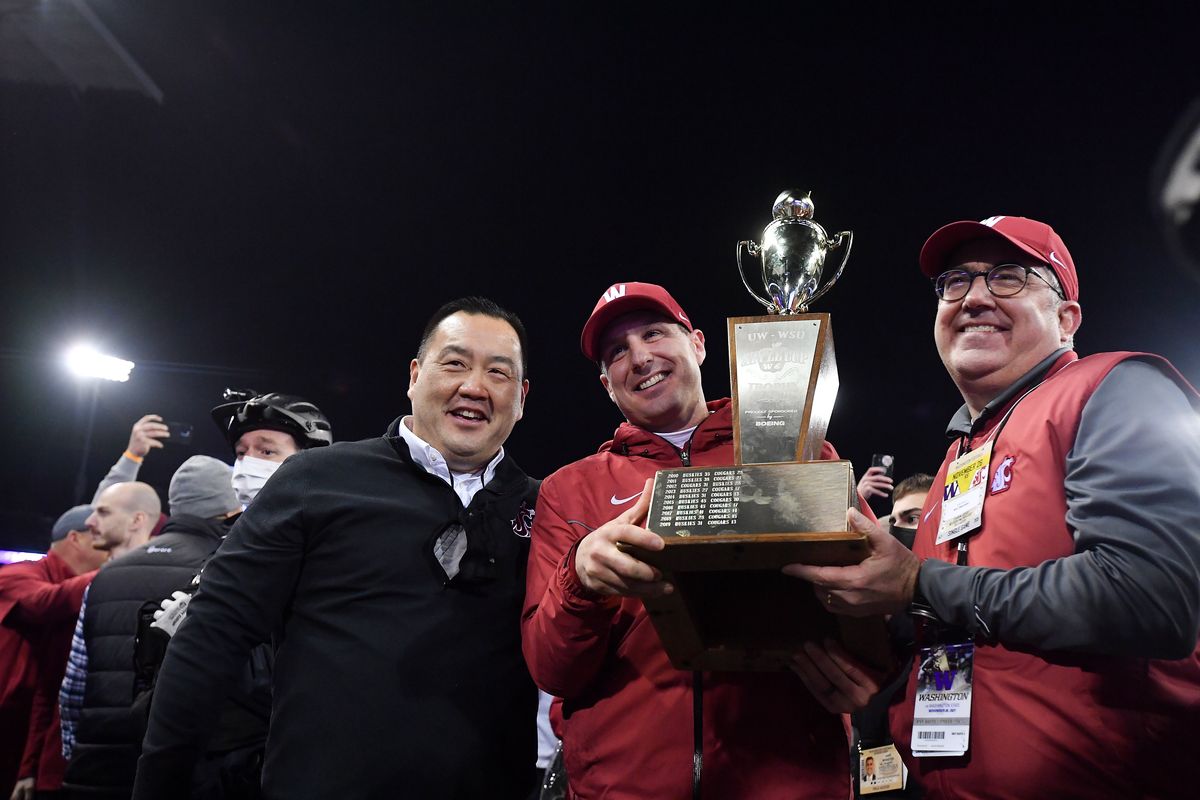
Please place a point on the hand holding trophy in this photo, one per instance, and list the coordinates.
(729, 530)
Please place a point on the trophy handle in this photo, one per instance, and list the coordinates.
(845, 237)
(751, 247)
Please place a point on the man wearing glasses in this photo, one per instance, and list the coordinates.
(1055, 569)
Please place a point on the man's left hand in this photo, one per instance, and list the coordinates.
(882, 584)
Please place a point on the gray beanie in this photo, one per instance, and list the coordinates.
(72, 520)
(202, 487)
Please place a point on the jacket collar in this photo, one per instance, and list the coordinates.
(190, 525)
(508, 475)
(57, 568)
(714, 430)
(961, 423)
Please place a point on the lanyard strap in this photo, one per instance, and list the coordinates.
(994, 436)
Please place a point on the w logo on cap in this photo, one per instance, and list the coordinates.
(991, 221)
(613, 292)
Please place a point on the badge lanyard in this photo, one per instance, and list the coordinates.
(945, 668)
(966, 487)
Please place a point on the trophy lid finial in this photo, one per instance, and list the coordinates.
(791, 203)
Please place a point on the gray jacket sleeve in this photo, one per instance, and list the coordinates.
(1132, 586)
(125, 470)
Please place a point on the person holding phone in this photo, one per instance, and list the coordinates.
(877, 480)
(262, 430)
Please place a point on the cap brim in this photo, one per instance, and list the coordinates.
(946, 239)
(593, 329)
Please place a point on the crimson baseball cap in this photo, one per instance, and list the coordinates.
(1034, 238)
(621, 298)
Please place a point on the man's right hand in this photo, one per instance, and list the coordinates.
(605, 568)
(23, 790)
(146, 434)
(839, 682)
(875, 483)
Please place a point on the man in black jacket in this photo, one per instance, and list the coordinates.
(107, 736)
(391, 572)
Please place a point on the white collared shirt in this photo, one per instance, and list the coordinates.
(464, 484)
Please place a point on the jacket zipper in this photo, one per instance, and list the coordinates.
(685, 456)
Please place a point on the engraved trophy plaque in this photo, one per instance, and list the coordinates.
(729, 530)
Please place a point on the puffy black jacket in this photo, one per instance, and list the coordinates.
(109, 734)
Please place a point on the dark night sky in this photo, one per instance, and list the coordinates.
(318, 180)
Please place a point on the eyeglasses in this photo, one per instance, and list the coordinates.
(1002, 280)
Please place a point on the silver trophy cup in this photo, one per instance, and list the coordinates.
(792, 256)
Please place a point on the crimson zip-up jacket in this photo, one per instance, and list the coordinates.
(627, 723)
(39, 602)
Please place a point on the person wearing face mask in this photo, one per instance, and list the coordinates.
(263, 430)
(908, 498)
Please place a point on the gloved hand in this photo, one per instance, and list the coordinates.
(170, 616)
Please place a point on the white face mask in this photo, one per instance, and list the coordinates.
(249, 476)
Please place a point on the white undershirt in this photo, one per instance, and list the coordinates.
(678, 438)
(464, 484)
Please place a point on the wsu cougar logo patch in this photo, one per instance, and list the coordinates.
(1003, 476)
(522, 523)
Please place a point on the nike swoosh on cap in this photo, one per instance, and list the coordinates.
(1054, 258)
(616, 501)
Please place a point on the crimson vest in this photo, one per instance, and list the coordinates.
(1045, 723)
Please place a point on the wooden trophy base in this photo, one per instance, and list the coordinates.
(732, 608)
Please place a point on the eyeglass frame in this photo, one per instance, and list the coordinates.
(939, 290)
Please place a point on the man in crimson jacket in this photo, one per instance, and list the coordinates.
(1075, 574)
(39, 601)
(629, 722)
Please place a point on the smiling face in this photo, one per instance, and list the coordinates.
(651, 370)
(988, 342)
(468, 391)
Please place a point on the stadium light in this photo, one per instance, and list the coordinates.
(86, 362)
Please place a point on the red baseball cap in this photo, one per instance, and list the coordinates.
(1034, 238)
(621, 298)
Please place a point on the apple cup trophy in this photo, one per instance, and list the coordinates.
(729, 530)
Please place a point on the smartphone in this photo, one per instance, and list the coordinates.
(179, 433)
(884, 460)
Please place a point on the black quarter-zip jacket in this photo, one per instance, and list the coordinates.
(390, 680)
